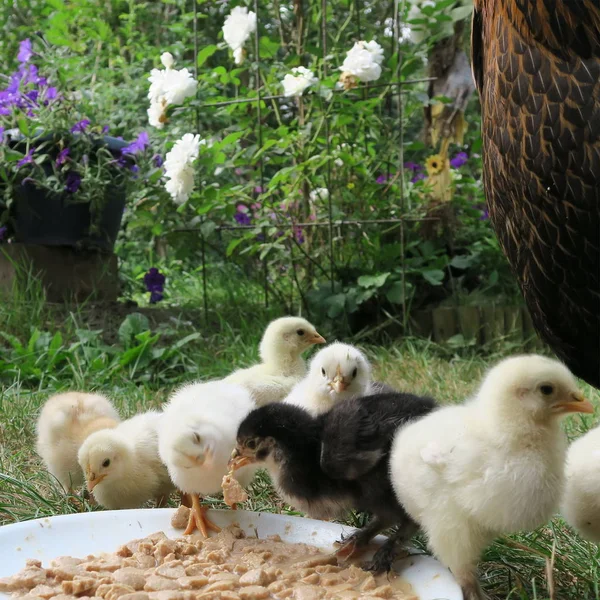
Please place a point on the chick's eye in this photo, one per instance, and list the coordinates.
(547, 390)
(323, 372)
(300, 332)
(355, 372)
(106, 463)
(251, 444)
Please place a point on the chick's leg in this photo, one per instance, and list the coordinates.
(391, 550)
(198, 518)
(354, 543)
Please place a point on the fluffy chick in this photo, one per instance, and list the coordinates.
(65, 421)
(293, 445)
(196, 438)
(492, 466)
(281, 365)
(122, 466)
(581, 501)
(338, 372)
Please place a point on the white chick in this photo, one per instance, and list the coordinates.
(338, 372)
(122, 466)
(282, 365)
(196, 438)
(581, 501)
(65, 421)
(492, 466)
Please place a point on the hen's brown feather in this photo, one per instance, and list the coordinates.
(536, 64)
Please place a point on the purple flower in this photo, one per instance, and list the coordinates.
(61, 159)
(417, 177)
(412, 166)
(138, 145)
(72, 182)
(154, 281)
(299, 235)
(158, 161)
(105, 129)
(27, 159)
(381, 179)
(3, 231)
(459, 160)
(80, 126)
(258, 189)
(239, 172)
(1, 135)
(25, 51)
(50, 93)
(155, 297)
(485, 215)
(242, 218)
(32, 95)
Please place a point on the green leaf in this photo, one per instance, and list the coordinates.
(461, 262)
(461, 12)
(373, 280)
(336, 304)
(233, 244)
(132, 326)
(396, 293)
(205, 54)
(434, 276)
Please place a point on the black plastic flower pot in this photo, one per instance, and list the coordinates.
(47, 218)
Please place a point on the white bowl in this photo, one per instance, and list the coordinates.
(89, 533)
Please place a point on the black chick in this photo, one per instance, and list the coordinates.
(293, 447)
(357, 437)
(287, 439)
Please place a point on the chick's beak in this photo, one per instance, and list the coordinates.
(577, 403)
(317, 339)
(339, 384)
(237, 460)
(93, 480)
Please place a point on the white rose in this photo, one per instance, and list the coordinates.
(237, 29)
(166, 58)
(363, 61)
(181, 185)
(156, 115)
(179, 169)
(294, 84)
(319, 194)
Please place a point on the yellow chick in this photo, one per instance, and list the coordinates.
(491, 466)
(337, 372)
(122, 466)
(65, 421)
(581, 502)
(196, 438)
(282, 365)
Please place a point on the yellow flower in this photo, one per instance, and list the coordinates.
(350, 186)
(435, 164)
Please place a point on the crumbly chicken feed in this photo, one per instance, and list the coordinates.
(228, 566)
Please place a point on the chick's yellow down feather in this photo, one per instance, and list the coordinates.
(122, 466)
(492, 466)
(581, 502)
(281, 365)
(337, 372)
(65, 421)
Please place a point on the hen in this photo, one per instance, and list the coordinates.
(494, 465)
(536, 64)
(281, 366)
(65, 421)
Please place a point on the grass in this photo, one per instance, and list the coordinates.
(137, 361)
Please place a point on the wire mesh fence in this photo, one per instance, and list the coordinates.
(332, 238)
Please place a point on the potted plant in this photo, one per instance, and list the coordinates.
(63, 180)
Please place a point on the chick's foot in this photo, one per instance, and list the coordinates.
(392, 549)
(198, 519)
